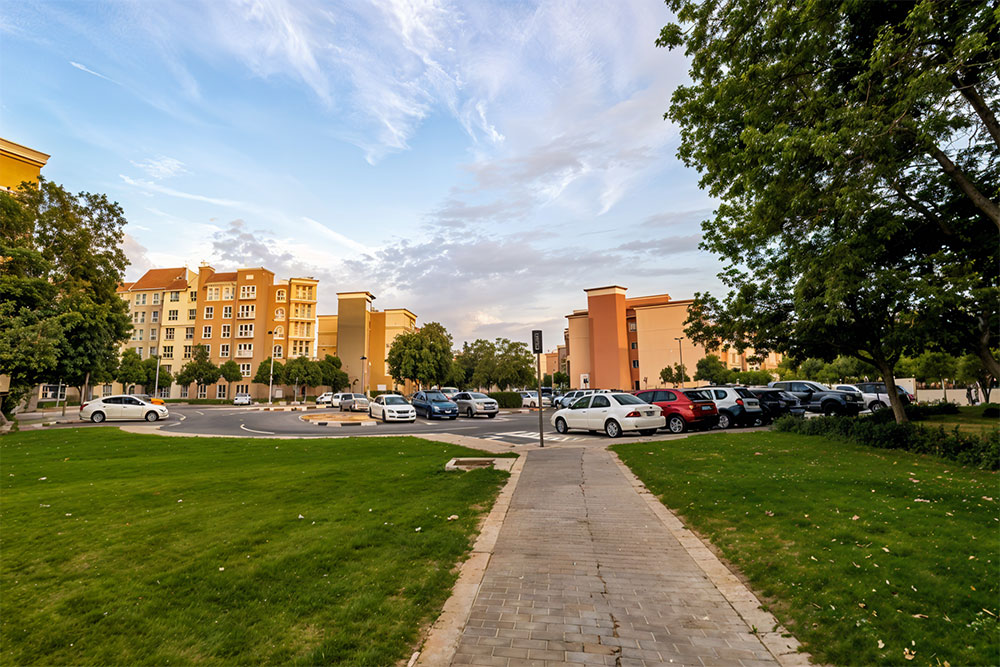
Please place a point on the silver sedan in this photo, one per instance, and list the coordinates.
(471, 403)
(353, 402)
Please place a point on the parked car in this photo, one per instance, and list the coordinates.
(776, 403)
(737, 406)
(334, 399)
(392, 408)
(353, 403)
(149, 399)
(433, 403)
(683, 409)
(242, 399)
(529, 399)
(819, 398)
(324, 398)
(449, 392)
(874, 394)
(569, 397)
(613, 413)
(122, 407)
(472, 403)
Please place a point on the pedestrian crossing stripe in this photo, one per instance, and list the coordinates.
(530, 435)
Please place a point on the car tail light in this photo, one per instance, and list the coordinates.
(82, 406)
(739, 401)
(634, 413)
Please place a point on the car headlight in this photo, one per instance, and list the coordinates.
(436, 409)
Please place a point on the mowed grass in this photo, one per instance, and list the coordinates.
(969, 419)
(870, 557)
(125, 549)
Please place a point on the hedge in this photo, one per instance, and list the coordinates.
(506, 399)
(979, 451)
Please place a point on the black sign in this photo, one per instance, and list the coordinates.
(536, 341)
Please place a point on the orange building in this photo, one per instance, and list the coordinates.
(624, 343)
(18, 164)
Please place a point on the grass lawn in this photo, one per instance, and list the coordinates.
(128, 549)
(863, 554)
(969, 419)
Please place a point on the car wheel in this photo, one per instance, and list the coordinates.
(531, 405)
(676, 424)
(561, 425)
(152, 416)
(876, 406)
(831, 409)
(725, 420)
(647, 431)
(612, 428)
(97, 417)
(370, 415)
(469, 413)
(492, 415)
(385, 420)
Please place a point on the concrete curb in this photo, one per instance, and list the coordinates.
(776, 639)
(341, 424)
(441, 643)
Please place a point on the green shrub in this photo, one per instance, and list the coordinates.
(200, 401)
(506, 399)
(980, 451)
(379, 392)
(991, 410)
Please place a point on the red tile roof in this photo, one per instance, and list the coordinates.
(165, 279)
(222, 277)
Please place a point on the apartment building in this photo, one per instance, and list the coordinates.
(361, 336)
(246, 316)
(623, 343)
(19, 163)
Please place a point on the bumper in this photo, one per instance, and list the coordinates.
(399, 417)
(703, 421)
(749, 416)
(642, 423)
(444, 414)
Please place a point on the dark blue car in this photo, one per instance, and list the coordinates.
(434, 404)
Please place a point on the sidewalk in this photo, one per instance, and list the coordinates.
(584, 572)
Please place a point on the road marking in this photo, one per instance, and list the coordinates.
(529, 435)
(200, 413)
(253, 431)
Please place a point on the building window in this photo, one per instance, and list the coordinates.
(244, 331)
(300, 348)
(171, 315)
(140, 299)
(54, 392)
(226, 330)
(184, 392)
(188, 333)
(245, 370)
(168, 333)
(194, 296)
(152, 351)
(138, 334)
(304, 292)
(168, 351)
(248, 291)
(631, 326)
(154, 316)
(211, 293)
(280, 296)
(634, 345)
(244, 350)
(187, 351)
(278, 352)
(248, 311)
(279, 332)
(224, 350)
(242, 389)
(279, 314)
(208, 349)
(206, 331)
(175, 296)
(142, 317)
(202, 391)
(152, 334)
(138, 351)
(227, 312)
(227, 293)
(106, 390)
(302, 311)
(635, 363)
(209, 312)
(192, 313)
(156, 298)
(220, 391)
(164, 392)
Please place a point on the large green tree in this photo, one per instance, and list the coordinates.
(422, 356)
(264, 372)
(301, 372)
(60, 316)
(854, 149)
(331, 374)
(199, 370)
(515, 364)
(230, 372)
(711, 369)
(130, 370)
(152, 383)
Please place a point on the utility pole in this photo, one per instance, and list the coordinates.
(270, 377)
(364, 363)
(680, 353)
(536, 344)
(156, 381)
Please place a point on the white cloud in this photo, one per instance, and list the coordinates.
(149, 186)
(84, 68)
(161, 167)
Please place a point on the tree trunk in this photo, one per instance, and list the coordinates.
(980, 201)
(984, 389)
(895, 400)
(84, 393)
(986, 355)
(971, 94)
(944, 389)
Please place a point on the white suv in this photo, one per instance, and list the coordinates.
(737, 406)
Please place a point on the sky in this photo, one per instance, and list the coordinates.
(479, 163)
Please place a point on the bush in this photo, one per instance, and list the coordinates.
(991, 410)
(378, 392)
(980, 451)
(506, 399)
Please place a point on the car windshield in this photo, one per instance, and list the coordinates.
(696, 395)
(744, 393)
(627, 399)
(436, 396)
(477, 395)
(394, 400)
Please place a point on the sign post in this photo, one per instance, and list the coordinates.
(536, 346)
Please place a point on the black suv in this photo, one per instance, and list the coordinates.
(816, 397)
(776, 402)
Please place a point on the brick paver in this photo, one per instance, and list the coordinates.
(583, 573)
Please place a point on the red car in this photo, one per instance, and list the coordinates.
(683, 408)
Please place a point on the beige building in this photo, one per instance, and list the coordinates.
(623, 343)
(18, 164)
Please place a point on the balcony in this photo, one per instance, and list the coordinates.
(244, 354)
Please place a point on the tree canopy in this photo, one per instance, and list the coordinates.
(422, 356)
(199, 370)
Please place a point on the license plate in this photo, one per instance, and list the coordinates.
(706, 407)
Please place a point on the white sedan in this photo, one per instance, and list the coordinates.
(122, 407)
(612, 413)
(392, 408)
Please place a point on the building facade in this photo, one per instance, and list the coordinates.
(623, 343)
(18, 164)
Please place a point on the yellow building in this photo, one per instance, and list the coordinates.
(361, 337)
(19, 163)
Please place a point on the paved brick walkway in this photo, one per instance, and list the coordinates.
(584, 573)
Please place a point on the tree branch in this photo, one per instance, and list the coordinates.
(981, 202)
(971, 94)
(923, 210)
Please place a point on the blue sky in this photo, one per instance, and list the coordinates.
(480, 163)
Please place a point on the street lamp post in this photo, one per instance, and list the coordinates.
(270, 376)
(680, 353)
(364, 360)
(156, 382)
